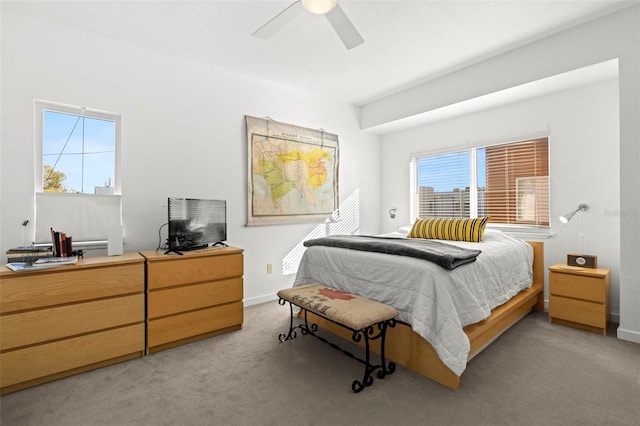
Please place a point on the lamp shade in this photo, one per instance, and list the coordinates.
(319, 7)
(565, 218)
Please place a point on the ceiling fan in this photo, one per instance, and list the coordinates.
(337, 18)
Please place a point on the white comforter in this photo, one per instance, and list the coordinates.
(436, 303)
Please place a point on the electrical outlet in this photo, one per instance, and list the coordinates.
(269, 268)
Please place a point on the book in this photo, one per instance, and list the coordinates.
(61, 243)
(68, 247)
(69, 260)
(35, 250)
(27, 258)
(34, 255)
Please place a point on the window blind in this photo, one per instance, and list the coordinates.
(85, 217)
(517, 178)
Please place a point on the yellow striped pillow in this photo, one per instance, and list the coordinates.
(453, 229)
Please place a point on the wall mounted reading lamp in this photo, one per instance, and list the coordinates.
(393, 215)
(565, 218)
(579, 260)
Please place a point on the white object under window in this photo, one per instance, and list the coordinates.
(84, 217)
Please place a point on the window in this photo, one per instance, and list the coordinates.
(77, 171)
(509, 182)
(78, 149)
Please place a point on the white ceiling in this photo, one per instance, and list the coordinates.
(406, 42)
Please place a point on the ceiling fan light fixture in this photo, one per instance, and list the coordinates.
(319, 7)
(340, 22)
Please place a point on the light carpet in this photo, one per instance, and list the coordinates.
(534, 374)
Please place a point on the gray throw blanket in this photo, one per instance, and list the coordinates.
(446, 255)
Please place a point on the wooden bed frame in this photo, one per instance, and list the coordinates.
(409, 349)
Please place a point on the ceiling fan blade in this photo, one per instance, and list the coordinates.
(279, 21)
(344, 28)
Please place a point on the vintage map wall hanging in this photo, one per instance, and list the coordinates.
(293, 173)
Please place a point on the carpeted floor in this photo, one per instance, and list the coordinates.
(535, 374)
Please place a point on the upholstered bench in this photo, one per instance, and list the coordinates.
(364, 317)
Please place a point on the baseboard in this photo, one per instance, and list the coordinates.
(629, 335)
(260, 299)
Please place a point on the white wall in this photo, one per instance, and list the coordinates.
(584, 150)
(183, 134)
(613, 37)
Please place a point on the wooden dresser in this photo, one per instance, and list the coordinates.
(69, 319)
(193, 296)
(579, 297)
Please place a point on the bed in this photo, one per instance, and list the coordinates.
(446, 316)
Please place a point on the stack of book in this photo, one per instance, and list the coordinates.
(29, 258)
(28, 254)
(62, 244)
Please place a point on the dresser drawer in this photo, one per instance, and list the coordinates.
(190, 297)
(174, 272)
(176, 327)
(34, 362)
(60, 287)
(31, 327)
(577, 286)
(578, 311)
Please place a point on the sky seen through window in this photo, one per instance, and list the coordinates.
(83, 148)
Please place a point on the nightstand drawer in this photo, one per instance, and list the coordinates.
(578, 311)
(577, 287)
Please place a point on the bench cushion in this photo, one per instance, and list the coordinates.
(354, 312)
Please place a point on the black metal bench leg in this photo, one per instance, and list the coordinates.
(292, 333)
(391, 366)
(367, 380)
(383, 369)
(368, 333)
(305, 328)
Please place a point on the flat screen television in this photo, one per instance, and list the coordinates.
(196, 223)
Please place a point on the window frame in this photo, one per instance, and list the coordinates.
(518, 230)
(104, 210)
(41, 106)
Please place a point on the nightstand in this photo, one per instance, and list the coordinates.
(579, 297)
